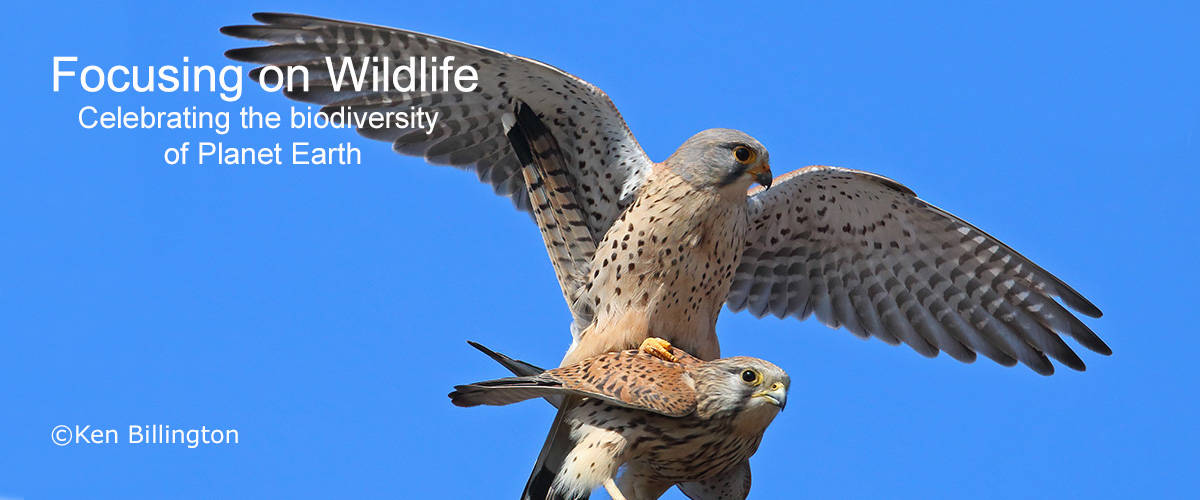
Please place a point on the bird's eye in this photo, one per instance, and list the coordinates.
(744, 155)
(751, 377)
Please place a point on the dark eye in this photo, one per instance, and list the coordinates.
(750, 376)
(743, 154)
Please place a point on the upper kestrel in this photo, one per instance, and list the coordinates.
(687, 422)
(857, 249)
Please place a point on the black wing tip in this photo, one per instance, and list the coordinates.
(517, 367)
(277, 17)
(1069, 360)
(267, 18)
(927, 354)
(964, 355)
(243, 54)
(1075, 300)
(490, 353)
(1072, 361)
(1087, 308)
(1041, 367)
(246, 31)
(482, 348)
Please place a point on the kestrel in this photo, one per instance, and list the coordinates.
(645, 249)
(857, 249)
(685, 422)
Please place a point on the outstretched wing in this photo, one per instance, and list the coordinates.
(516, 366)
(603, 159)
(629, 378)
(862, 251)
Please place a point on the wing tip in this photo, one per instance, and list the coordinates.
(243, 54)
(1072, 361)
(236, 30)
(1072, 298)
(1084, 306)
(267, 19)
(276, 17)
(484, 349)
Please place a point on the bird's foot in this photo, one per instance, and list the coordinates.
(658, 348)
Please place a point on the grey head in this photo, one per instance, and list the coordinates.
(720, 158)
(741, 388)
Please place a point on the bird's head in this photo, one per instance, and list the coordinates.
(722, 159)
(749, 390)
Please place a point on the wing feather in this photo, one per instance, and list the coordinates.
(600, 152)
(633, 379)
(863, 252)
(629, 378)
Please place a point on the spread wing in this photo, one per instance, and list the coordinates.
(629, 378)
(604, 162)
(862, 251)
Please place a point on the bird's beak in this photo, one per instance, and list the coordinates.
(762, 174)
(776, 395)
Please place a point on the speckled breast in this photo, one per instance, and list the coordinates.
(671, 257)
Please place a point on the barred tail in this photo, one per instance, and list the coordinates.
(562, 221)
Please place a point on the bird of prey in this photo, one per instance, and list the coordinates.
(682, 422)
(667, 263)
(645, 249)
(856, 249)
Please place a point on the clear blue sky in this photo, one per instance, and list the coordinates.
(322, 312)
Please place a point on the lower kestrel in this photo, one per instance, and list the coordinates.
(683, 422)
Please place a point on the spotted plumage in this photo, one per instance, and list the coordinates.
(689, 422)
(856, 249)
(655, 249)
(599, 150)
(662, 269)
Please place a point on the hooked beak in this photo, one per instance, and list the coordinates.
(776, 395)
(762, 174)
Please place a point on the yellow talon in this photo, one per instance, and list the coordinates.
(658, 348)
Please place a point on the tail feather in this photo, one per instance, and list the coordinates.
(571, 246)
(520, 369)
(561, 219)
(510, 390)
(503, 391)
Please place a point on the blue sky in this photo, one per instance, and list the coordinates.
(322, 312)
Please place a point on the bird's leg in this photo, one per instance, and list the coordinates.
(658, 348)
(610, 486)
